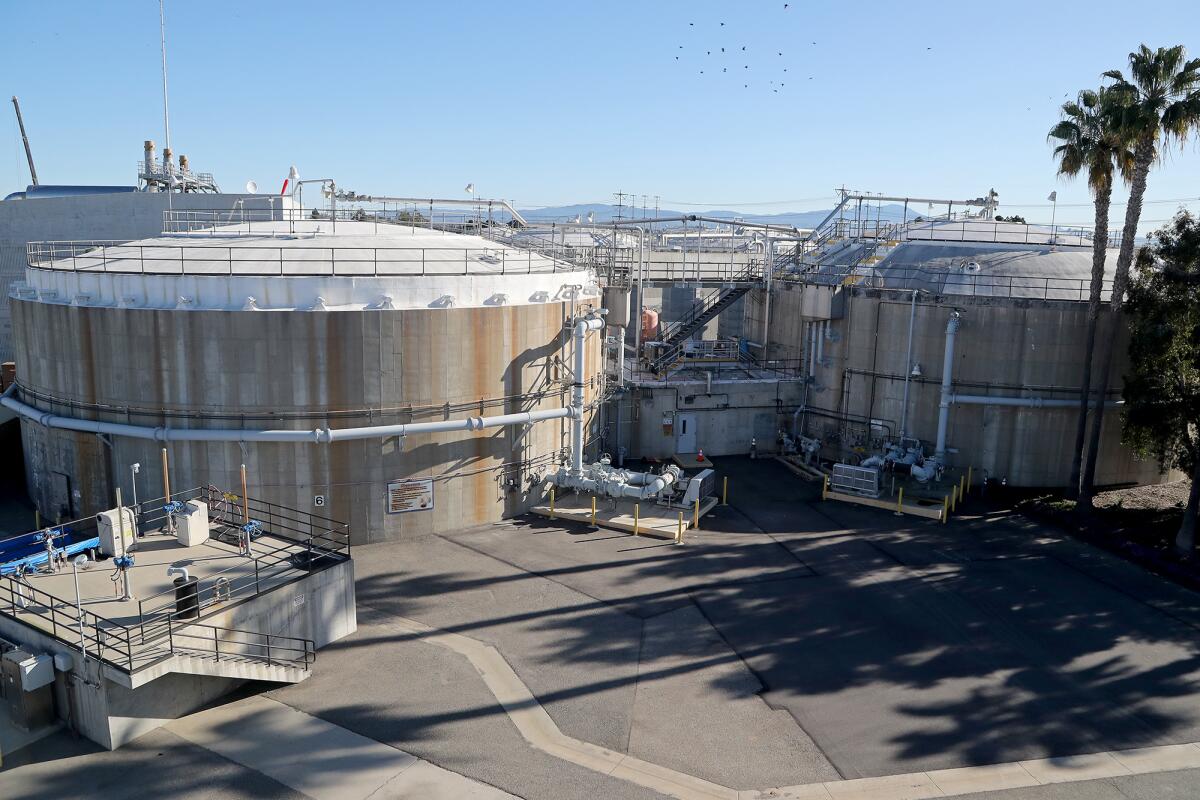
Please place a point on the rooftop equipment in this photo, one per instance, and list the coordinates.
(116, 528)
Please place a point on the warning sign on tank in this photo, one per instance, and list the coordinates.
(410, 495)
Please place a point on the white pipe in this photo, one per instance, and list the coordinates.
(1025, 402)
(621, 355)
(768, 268)
(322, 435)
(447, 202)
(180, 571)
(908, 365)
(582, 327)
(939, 451)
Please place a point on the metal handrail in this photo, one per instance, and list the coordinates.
(122, 258)
(1036, 287)
(155, 631)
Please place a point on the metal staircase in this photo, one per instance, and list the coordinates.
(677, 333)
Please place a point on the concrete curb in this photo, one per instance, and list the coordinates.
(536, 727)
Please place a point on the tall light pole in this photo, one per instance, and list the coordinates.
(1053, 198)
(80, 560)
(134, 469)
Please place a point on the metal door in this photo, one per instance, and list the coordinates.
(61, 505)
(685, 434)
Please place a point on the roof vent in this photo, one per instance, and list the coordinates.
(318, 305)
(539, 297)
(498, 299)
(384, 303)
(250, 305)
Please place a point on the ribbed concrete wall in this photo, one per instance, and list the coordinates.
(302, 370)
(1003, 346)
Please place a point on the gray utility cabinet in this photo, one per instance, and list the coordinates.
(28, 682)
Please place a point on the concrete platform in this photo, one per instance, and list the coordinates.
(152, 589)
(652, 518)
(692, 461)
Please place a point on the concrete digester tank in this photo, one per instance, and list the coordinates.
(217, 333)
(868, 347)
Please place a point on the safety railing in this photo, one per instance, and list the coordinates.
(102, 638)
(301, 260)
(959, 281)
(232, 644)
(989, 231)
(292, 543)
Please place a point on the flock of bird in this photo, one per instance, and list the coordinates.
(737, 57)
(731, 56)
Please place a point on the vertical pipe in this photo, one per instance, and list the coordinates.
(166, 476)
(620, 358)
(912, 318)
(551, 502)
(768, 262)
(939, 452)
(582, 327)
(245, 503)
(821, 332)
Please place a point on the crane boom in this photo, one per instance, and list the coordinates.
(25, 139)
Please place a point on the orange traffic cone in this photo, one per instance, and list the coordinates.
(700, 456)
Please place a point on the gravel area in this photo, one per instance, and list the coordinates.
(1151, 498)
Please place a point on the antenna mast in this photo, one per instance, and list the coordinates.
(162, 33)
(25, 139)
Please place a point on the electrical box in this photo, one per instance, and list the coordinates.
(700, 486)
(109, 528)
(191, 524)
(30, 671)
(27, 691)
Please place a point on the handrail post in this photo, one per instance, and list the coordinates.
(216, 644)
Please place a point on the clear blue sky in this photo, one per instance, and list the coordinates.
(560, 102)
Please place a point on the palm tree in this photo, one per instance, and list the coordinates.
(1161, 100)
(1092, 142)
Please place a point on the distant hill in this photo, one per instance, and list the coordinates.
(604, 212)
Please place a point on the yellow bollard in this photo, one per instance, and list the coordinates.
(637, 510)
(945, 508)
(900, 501)
(725, 491)
(593, 511)
(954, 497)
(679, 530)
(551, 502)
(962, 487)
(696, 515)
(970, 469)
(825, 488)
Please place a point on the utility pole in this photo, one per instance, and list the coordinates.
(25, 139)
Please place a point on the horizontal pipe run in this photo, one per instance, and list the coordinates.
(1026, 402)
(321, 435)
